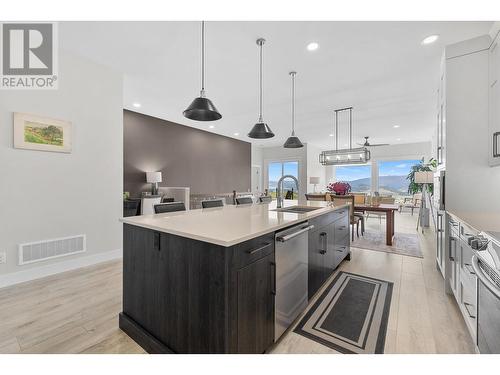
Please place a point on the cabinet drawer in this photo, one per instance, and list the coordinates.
(468, 305)
(250, 251)
(341, 230)
(324, 220)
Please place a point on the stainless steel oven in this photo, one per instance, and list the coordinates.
(486, 265)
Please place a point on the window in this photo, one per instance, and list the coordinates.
(392, 177)
(358, 176)
(278, 169)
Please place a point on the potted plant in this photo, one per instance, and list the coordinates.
(413, 187)
(339, 187)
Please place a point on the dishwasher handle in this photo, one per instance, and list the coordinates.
(294, 234)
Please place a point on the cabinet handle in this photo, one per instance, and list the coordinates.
(156, 241)
(273, 278)
(258, 249)
(323, 235)
(466, 305)
(452, 258)
(469, 268)
(496, 154)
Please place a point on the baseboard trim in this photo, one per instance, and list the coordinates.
(55, 268)
(137, 333)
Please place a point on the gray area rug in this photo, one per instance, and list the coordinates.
(351, 315)
(402, 243)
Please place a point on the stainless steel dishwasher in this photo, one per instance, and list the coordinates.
(291, 275)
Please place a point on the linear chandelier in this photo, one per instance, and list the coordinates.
(360, 155)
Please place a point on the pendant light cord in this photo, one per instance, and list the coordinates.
(293, 102)
(350, 128)
(336, 130)
(261, 43)
(202, 93)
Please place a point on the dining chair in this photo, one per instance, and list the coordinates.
(265, 199)
(316, 197)
(349, 200)
(148, 203)
(381, 200)
(169, 207)
(212, 203)
(244, 200)
(130, 207)
(359, 198)
(412, 203)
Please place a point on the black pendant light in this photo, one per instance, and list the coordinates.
(202, 109)
(260, 130)
(293, 141)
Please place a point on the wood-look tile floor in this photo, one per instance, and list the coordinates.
(77, 311)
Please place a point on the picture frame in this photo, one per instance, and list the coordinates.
(33, 132)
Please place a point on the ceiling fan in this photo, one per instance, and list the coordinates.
(368, 144)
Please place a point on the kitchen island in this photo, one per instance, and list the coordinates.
(204, 281)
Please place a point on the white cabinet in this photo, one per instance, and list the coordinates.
(494, 103)
(441, 119)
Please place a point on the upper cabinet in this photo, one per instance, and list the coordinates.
(494, 102)
(441, 119)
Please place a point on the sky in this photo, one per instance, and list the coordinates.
(275, 170)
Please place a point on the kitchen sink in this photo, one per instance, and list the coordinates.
(297, 209)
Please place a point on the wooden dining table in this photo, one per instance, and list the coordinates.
(389, 210)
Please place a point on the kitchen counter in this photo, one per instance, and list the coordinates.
(206, 280)
(229, 225)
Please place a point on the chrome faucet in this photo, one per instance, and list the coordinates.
(279, 189)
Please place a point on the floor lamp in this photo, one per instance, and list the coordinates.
(425, 178)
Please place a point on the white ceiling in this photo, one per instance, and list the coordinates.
(379, 68)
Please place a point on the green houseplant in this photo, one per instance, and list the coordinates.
(413, 187)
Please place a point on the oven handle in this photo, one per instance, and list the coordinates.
(483, 278)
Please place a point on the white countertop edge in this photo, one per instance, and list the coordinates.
(274, 228)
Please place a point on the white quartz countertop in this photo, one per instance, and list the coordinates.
(229, 225)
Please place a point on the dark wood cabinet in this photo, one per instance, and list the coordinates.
(317, 249)
(256, 289)
(187, 296)
(328, 246)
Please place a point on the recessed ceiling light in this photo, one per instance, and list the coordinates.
(396, 126)
(398, 139)
(236, 134)
(211, 126)
(136, 105)
(430, 39)
(331, 135)
(313, 46)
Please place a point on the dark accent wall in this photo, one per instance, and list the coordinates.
(205, 162)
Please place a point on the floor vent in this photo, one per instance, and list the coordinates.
(42, 250)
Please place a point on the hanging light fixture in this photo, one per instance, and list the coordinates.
(360, 155)
(293, 141)
(260, 130)
(202, 108)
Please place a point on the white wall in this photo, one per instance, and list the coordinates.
(270, 154)
(308, 157)
(314, 168)
(47, 195)
(257, 161)
(472, 187)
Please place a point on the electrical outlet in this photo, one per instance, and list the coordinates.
(3, 258)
